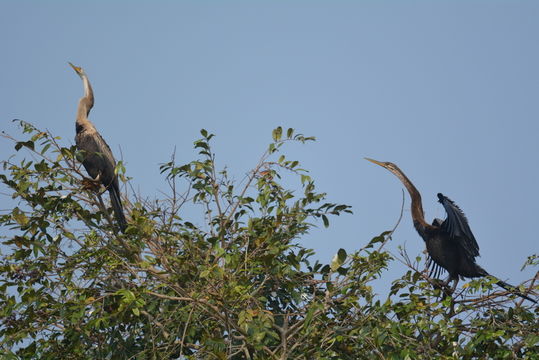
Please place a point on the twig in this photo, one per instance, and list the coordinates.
(388, 236)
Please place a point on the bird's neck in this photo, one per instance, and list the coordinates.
(85, 105)
(418, 215)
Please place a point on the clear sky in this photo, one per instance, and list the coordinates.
(446, 90)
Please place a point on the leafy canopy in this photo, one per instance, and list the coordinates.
(232, 282)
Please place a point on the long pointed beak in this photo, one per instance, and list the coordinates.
(77, 69)
(375, 161)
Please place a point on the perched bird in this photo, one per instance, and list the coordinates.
(98, 159)
(450, 243)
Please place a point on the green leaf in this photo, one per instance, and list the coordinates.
(342, 255)
(45, 148)
(305, 179)
(289, 133)
(120, 168)
(325, 220)
(532, 340)
(277, 133)
(29, 144)
(19, 217)
(127, 295)
(338, 259)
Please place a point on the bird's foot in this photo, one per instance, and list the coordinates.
(438, 284)
(91, 184)
(443, 286)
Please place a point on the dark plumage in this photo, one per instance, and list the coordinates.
(98, 159)
(450, 243)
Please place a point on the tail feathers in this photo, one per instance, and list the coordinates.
(479, 271)
(117, 207)
(514, 290)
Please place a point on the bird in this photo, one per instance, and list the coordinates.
(450, 243)
(97, 156)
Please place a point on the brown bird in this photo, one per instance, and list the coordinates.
(450, 243)
(98, 159)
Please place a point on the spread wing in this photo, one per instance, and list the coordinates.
(456, 226)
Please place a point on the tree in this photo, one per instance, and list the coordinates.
(232, 283)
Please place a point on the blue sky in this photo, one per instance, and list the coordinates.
(446, 90)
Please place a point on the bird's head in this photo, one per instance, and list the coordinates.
(388, 165)
(441, 197)
(78, 70)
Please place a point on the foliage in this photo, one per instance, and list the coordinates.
(236, 283)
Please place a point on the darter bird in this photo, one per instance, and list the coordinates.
(98, 159)
(450, 243)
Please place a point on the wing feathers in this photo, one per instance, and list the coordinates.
(456, 226)
(99, 163)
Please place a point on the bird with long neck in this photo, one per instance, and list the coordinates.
(450, 243)
(98, 159)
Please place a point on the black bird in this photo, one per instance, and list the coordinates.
(98, 159)
(450, 243)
